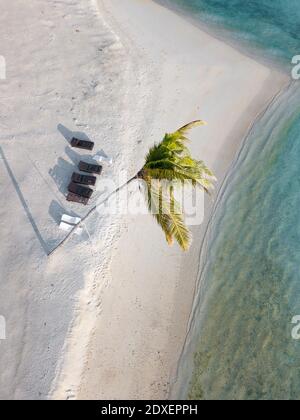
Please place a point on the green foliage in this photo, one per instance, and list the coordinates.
(171, 160)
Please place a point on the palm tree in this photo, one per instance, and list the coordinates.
(170, 160)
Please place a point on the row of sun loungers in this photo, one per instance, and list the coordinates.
(79, 191)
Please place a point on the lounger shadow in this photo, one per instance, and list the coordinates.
(61, 174)
(56, 211)
(76, 157)
(69, 134)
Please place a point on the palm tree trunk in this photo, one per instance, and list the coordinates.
(91, 211)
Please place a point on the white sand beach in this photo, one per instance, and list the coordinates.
(104, 317)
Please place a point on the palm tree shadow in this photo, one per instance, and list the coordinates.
(23, 202)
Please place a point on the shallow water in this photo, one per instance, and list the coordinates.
(250, 283)
(270, 26)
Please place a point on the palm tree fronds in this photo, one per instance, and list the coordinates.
(191, 125)
(170, 160)
(166, 211)
(172, 142)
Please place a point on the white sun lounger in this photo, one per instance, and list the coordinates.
(71, 220)
(68, 222)
(65, 226)
(102, 159)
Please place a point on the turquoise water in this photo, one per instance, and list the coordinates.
(251, 280)
(270, 26)
(250, 283)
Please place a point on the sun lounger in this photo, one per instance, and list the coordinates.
(77, 199)
(84, 179)
(71, 220)
(103, 159)
(82, 144)
(89, 168)
(65, 226)
(80, 190)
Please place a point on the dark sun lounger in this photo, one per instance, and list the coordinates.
(91, 169)
(77, 199)
(82, 144)
(84, 179)
(80, 190)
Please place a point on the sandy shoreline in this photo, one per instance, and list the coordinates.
(105, 317)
